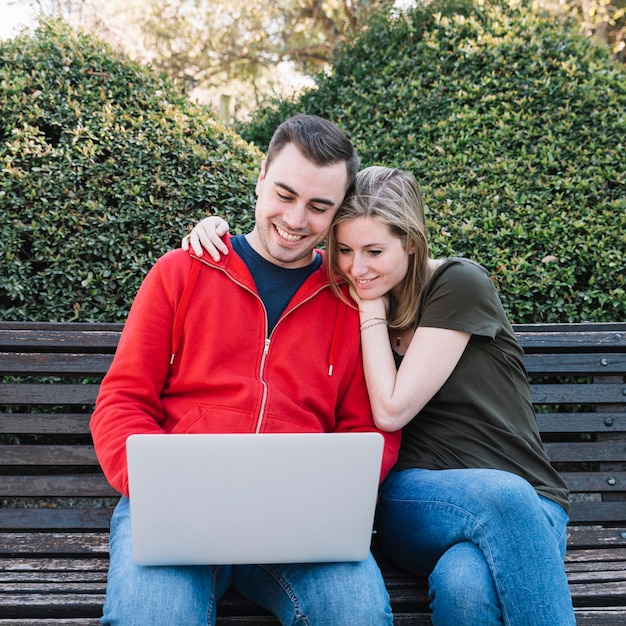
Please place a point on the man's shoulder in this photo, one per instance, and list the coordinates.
(184, 259)
(173, 256)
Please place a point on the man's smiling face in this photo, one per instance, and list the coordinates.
(296, 203)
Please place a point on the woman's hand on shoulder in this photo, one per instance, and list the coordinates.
(207, 235)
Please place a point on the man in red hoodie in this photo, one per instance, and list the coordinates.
(254, 343)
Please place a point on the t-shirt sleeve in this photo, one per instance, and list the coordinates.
(462, 297)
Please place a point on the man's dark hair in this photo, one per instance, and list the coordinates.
(319, 140)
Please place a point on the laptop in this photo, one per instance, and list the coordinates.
(252, 498)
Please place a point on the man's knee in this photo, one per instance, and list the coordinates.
(350, 594)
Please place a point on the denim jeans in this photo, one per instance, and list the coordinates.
(492, 548)
(318, 594)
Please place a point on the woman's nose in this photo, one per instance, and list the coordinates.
(359, 266)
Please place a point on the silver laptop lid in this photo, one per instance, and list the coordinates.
(245, 498)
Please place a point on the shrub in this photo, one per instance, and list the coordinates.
(104, 164)
(514, 126)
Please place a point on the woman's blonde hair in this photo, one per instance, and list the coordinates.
(393, 198)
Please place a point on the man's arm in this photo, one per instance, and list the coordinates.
(129, 400)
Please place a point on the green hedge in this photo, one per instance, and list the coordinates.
(513, 124)
(515, 127)
(104, 164)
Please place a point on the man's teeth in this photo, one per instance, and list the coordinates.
(287, 236)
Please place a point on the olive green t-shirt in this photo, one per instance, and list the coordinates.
(482, 417)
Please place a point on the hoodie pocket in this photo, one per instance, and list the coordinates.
(215, 419)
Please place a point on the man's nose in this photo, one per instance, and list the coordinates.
(295, 217)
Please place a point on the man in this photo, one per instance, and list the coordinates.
(255, 343)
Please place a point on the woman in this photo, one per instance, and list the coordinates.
(473, 502)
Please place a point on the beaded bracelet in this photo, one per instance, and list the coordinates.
(373, 324)
(371, 319)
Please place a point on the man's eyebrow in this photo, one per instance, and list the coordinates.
(293, 192)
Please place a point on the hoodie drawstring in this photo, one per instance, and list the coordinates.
(337, 334)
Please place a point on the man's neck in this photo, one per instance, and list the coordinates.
(254, 241)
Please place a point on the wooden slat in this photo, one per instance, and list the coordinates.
(244, 620)
(33, 363)
(82, 485)
(596, 563)
(576, 364)
(576, 452)
(48, 455)
(52, 337)
(608, 421)
(597, 512)
(61, 621)
(598, 616)
(78, 423)
(606, 593)
(570, 327)
(47, 394)
(610, 537)
(59, 519)
(67, 543)
(546, 336)
(571, 337)
(615, 574)
(45, 423)
(240, 620)
(578, 394)
(36, 605)
(70, 586)
(98, 364)
(92, 563)
(595, 481)
(64, 394)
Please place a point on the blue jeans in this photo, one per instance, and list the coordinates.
(492, 548)
(318, 594)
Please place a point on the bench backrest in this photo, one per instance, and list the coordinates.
(49, 374)
(578, 376)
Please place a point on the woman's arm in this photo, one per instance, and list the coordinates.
(206, 235)
(397, 396)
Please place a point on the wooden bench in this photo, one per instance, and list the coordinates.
(55, 504)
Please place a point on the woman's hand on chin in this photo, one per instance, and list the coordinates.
(376, 307)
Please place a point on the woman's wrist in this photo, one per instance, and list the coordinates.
(372, 309)
(372, 321)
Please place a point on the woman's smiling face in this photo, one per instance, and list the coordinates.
(370, 256)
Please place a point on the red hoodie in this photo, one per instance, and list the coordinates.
(194, 357)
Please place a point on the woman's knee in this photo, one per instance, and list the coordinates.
(497, 486)
(461, 589)
(500, 495)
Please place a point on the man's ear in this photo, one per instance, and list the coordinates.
(261, 178)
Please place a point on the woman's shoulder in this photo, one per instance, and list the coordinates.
(462, 296)
(460, 268)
